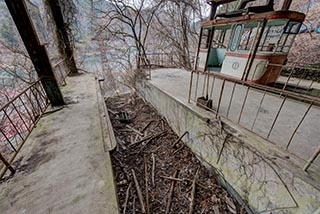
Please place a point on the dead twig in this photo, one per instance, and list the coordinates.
(178, 140)
(200, 184)
(146, 126)
(146, 182)
(177, 150)
(136, 138)
(150, 138)
(140, 197)
(153, 169)
(134, 205)
(193, 193)
(120, 142)
(127, 198)
(112, 112)
(171, 193)
(134, 130)
(222, 147)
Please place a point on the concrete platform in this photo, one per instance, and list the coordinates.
(306, 140)
(256, 172)
(63, 167)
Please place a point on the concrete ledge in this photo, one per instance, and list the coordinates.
(257, 172)
(109, 140)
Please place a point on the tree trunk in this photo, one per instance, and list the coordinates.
(64, 46)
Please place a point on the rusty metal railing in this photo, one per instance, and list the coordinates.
(17, 119)
(295, 76)
(61, 72)
(165, 60)
(285, 118)
(161, 60)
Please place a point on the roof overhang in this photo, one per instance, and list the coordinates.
(292, 15)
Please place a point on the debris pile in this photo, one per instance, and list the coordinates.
(154, 170)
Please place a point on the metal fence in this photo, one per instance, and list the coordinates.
(17, 119)
(296, 77)
(285, 118)
(165, 60)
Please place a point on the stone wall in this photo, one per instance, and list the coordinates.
(250, 169)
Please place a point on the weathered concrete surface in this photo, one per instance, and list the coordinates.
(269, 179)
(306, 139)
(63, 167)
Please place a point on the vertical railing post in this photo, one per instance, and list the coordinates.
(6, 163)
(312, 159)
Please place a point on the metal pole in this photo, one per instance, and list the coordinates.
(255, 50)
(190, 87)
(298, 126)
(220, 97)
(6, 163)
(312, 159)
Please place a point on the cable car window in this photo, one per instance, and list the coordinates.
(227, 38)
(204, 39)
(293, 27)
(247, 37)
(236, 37)
(287, 39)
(272, 35)
(221, 38)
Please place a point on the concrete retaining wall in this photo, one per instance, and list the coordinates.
(250, 170)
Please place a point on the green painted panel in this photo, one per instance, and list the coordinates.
(216, 57)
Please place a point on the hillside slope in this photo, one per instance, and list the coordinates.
(306, 48)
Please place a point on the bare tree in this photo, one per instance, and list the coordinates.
(128, 21)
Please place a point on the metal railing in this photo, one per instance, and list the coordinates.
(17, 119)
(61, 72)
(160, 60)
(294, 76)
(165, 60)
(284, 118)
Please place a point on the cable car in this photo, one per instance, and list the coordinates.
(243, 43)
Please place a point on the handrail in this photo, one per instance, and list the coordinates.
(18, 118)
(60, 72)
(263, 87)
(162, 59)
(212, 88)
(17, 96)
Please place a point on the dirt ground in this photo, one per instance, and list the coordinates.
(175, 180)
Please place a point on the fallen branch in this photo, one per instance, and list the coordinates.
(140, 197)
(171, 193)
(146, 126)
(153, 169)
(178, 140)
(177, 150)
(120, 142)
(193, 193)
(200, 184)
(112, 112)
(136, 138)
(134, 130)
(134, 205)
(146, 182)
(127, 198)
(150, 138)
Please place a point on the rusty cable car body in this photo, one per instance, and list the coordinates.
(242, 43)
